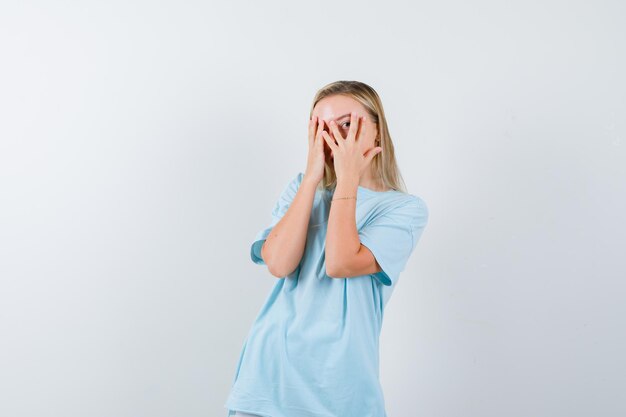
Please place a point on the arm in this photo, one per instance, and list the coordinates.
(345, 255)
(284, 247)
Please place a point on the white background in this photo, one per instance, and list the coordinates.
(144, 143)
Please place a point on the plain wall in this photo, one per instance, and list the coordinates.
(144, 143)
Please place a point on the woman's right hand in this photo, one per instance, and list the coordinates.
(316, 157)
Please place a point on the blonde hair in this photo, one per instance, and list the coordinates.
(384, 166)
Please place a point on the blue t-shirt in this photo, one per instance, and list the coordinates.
(312, 350)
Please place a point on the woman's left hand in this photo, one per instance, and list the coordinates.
(349, 162)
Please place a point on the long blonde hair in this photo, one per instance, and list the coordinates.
(384, 166)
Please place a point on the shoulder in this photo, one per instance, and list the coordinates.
(409, 209)
(294, 183)
(418, 203)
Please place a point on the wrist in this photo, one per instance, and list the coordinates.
(308, 181)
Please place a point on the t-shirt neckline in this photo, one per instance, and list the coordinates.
(368, 191)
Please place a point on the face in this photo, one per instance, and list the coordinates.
(338, 107)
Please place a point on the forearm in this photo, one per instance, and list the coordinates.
(342, 238)
(284, 247)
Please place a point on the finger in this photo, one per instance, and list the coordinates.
(369, 155)
(320, 129)
(312, 124)
(360, 122)
(330, 141)
(354, 125)
(319, 141)
(318, 132)
(336, 133)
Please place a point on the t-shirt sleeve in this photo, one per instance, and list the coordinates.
(392, 236)
(280, 208)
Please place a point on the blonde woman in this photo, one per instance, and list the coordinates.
(341, 233)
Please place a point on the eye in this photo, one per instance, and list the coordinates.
(345, 123)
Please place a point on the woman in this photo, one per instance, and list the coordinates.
(341, 233)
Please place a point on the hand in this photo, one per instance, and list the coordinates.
(316, 158)
(349, 162)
